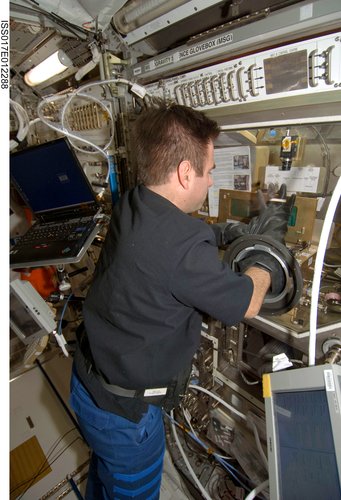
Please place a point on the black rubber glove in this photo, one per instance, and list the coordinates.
(264, 260)
(274, 216)
(226, 232)
(272, 219)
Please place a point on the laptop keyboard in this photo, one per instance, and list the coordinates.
(72, 230)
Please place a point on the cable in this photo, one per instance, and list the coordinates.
(186, 435)
(134, 88)
(65, 131)
(186, 414)
(47, 462)
(297, 361)
(62, 314)
(188, 465)
(24, 123)
(97, 101)
(257, 490)
(328, 220)
(214, 396)
(326, 161)
(54, 17)
(64, 22)
(44, 467)
(227, 466)
(187, 417)
(246, 380)
(60, 339)
(75, 488)
(242, 415)
(258, 443)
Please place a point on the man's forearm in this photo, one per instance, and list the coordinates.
(261, 283)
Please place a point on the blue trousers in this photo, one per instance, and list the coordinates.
(127, 458)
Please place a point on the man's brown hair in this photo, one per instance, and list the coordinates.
(167, 135)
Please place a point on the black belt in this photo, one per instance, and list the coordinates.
(168, 397)
(129, 393)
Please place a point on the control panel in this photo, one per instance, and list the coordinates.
(297, 69)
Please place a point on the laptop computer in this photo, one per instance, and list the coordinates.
(51, 182)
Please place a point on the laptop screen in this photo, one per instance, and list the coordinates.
(50, 177)
(303, 424)
(306, 449)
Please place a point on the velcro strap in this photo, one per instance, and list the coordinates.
(154, 394)
(130, 393)
(115, 389)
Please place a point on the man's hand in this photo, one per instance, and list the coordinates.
(264, 260)
(272, 221)
(274, 216)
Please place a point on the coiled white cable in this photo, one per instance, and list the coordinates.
(24, 123)
(62, 129)
(103, 149)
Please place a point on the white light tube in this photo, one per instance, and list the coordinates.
(321, 250)
(53, 65)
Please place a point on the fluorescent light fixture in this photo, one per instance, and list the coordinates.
(53, 65)
(139, 12)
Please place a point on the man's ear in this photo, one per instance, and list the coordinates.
(185, 172)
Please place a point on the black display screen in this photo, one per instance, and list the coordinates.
(307, 464)
(49, 177)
